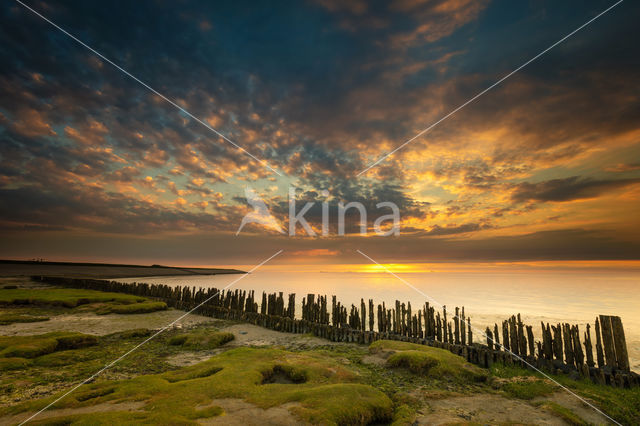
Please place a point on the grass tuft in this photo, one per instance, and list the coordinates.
(432, 362)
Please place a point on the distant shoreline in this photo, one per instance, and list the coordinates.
(12, 268)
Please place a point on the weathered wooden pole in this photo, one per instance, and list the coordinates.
(620, 344)
(599, 351)
(607, 341)
(456, 325)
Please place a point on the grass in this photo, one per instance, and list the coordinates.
(201, 338)
(67, 297)
(430, 362)
(564, 413)
(528, 389)
(172, 397)
(133, 308)
(6, 319)
(38, 345)
(623, 405)
(106, 302)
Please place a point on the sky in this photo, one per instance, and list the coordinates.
(96, 167)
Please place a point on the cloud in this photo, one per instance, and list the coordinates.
(568, 189)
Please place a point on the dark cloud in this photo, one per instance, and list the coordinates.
(568, 189)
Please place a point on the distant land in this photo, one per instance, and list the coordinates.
(12, 268)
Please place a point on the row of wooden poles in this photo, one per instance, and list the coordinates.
(562, 343)
(560, 350)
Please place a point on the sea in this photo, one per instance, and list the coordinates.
(573, 292)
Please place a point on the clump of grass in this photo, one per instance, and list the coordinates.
(13, 363)
(433, 362)
(66, 297)
(190, 374)
(93, 393)
(201, 339)
(564, 413)
(132, 308)
(42, 344)
(416, 361)
(136, 332)
(6, 319)
(528, 389)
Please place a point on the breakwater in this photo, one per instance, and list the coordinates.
(563, 348)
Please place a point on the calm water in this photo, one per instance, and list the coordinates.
(490, 293)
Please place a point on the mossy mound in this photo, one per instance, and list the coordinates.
(132, 308)
(330, 393)
(67, 297)
(99, 301)
(6, 319)
(428, 361)
(200, 339)
(37, 345)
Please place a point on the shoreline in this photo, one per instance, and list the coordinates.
(18, 268)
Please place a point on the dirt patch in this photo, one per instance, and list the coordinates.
(186, 359)
(579, 408)
(91, 323)
(55, 412)
(485, 409)
(241, 413)
(253, 335)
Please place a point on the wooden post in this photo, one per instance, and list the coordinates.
(607, 341)
(599, 351)
(588, 347)
(489, 338)
(620, 344)
(444, 322)
(469, 332)
(496, 336)
(513, 336)
(371, 318)
(568, 347)
(557, 342)
(463, 329)
(532, 350)
(522, 340)
(577, 347)
(505, 335)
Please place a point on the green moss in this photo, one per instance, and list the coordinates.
(403, 415)
(190, 374)
(330, 394)
(136, 332)
(37, 345)
(6, 319)
(201, 338)
(528, 389)
(27, 346)
(133, 308)
(432, 362)
(417, 361)
(7, 364)
(66, 297)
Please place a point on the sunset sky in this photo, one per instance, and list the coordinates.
(95, 167)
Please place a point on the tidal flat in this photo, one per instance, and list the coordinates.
(210, 371)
